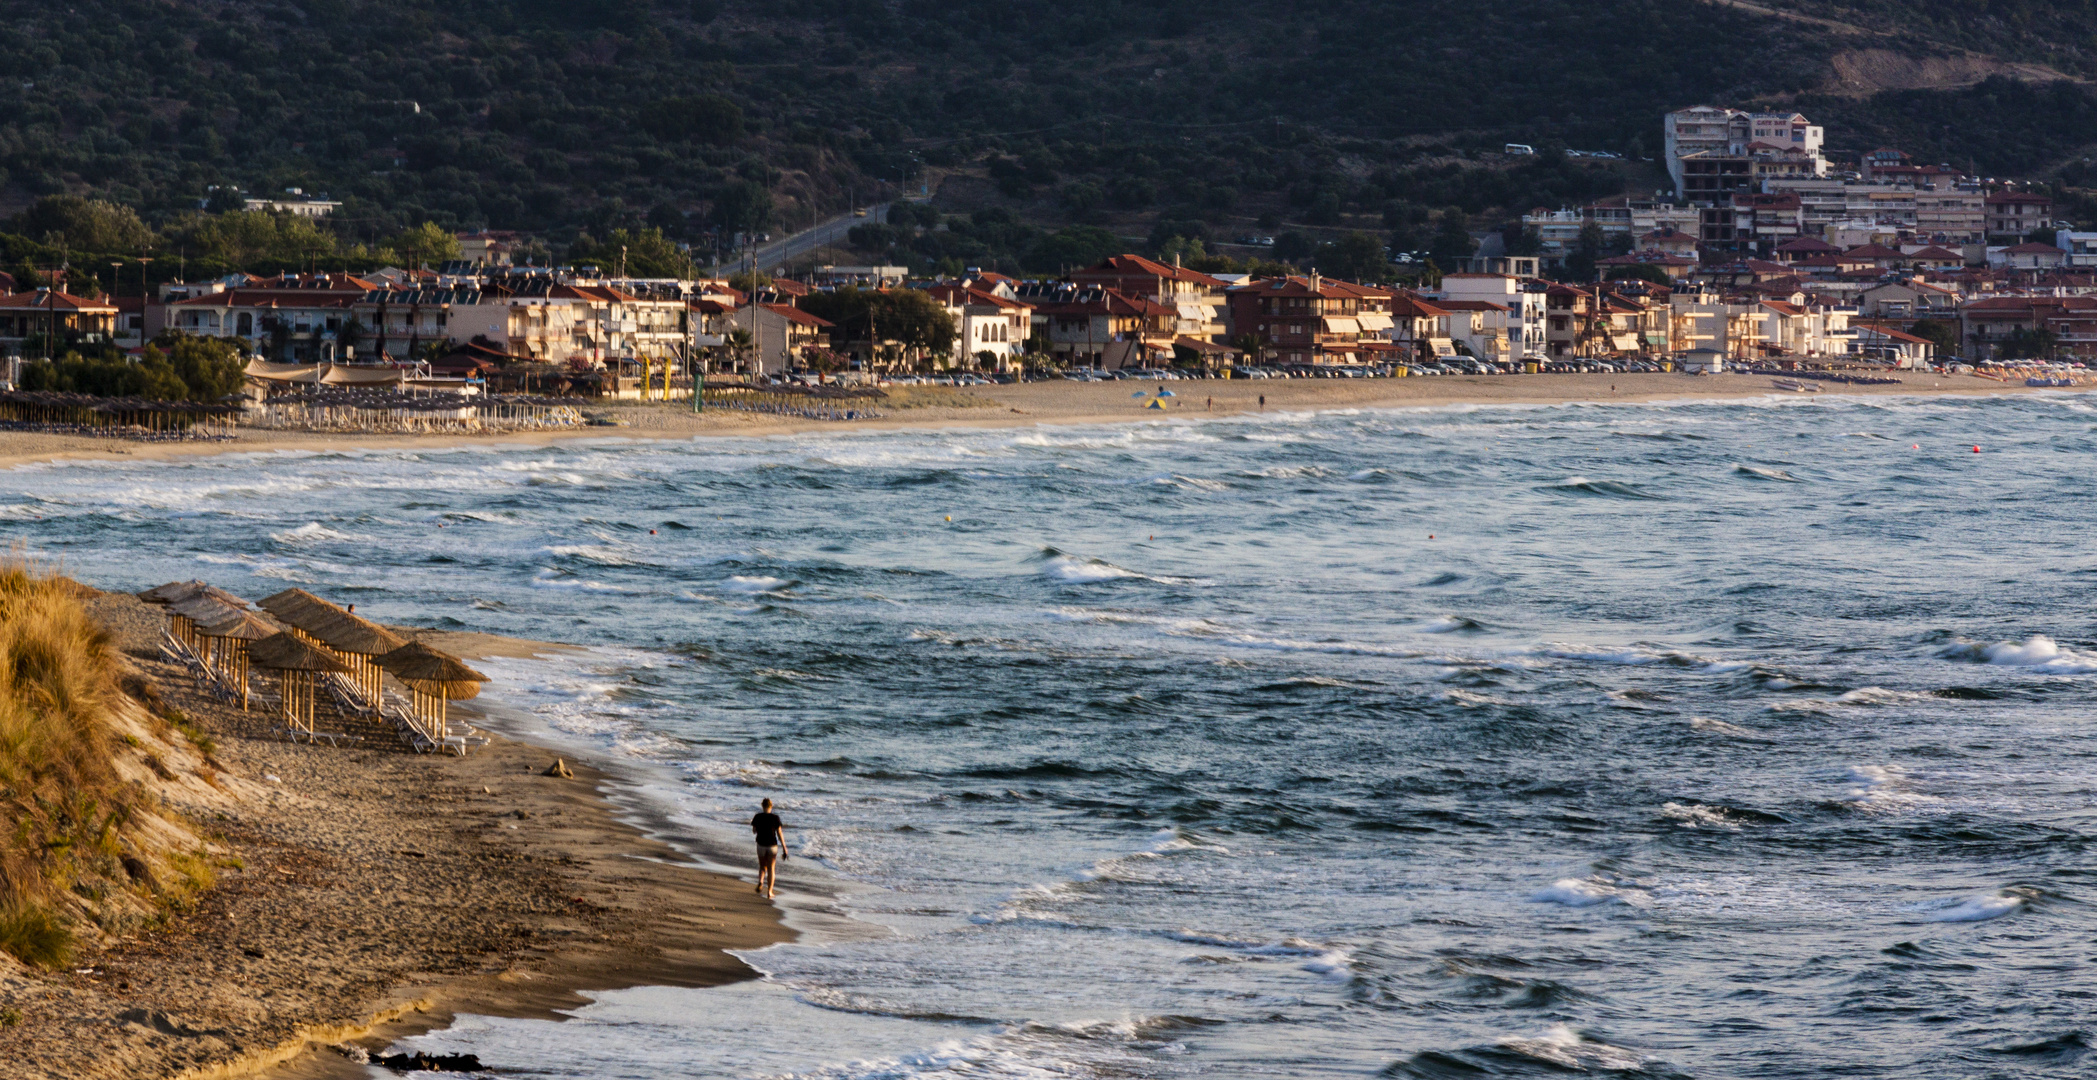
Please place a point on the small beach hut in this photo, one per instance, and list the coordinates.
(436, 678)
(299, 667)
(228, 640)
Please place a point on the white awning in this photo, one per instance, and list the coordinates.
(1341, 324)
(1375, 321)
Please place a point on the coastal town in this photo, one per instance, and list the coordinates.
(1766, 253)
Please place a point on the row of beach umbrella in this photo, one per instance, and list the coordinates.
(306, 640)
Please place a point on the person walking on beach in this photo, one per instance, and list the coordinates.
(771, 847)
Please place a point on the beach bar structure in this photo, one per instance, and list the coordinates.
(351, 641)
(436, 679)
(299, 667)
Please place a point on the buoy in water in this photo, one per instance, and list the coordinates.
(1976, 449)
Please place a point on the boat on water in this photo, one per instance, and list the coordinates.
(1795, 386)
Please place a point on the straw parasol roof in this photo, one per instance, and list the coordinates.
(201, 608)
(184, 590)
(243, 625)
(297, 607)
(345, 632)
(284, 652)
(432, 672)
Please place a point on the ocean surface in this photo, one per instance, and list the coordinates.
(1688, 740)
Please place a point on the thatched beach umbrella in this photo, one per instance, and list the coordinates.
(183, 590)
(298, 666)
(355, 642)
(230, 638)
(436, 677)
(185, 614)
(298, 609)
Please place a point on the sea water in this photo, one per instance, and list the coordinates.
(1716, 740)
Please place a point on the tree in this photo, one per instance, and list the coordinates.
(210, 368)
(1072, 246)
(912, 319)
(2025, 344)
(83, 224)
(1452, 239)
(742, 206)
(1521, 240)
(645, 253)
(1939, 332)
(1587, 251)
(1640, 272)
(426, 244)
(709, 118)
(1357, 256)
(1294, 247)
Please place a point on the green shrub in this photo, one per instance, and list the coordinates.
(34, 936)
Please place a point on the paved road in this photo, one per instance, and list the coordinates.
(779, 252)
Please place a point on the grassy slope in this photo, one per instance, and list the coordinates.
(84, 773)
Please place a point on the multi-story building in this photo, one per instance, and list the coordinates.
(1100, 328)
(2080, 249)
(1309, 320)
(1713, 152)
(292, 318)
(1986, 325)
(1523, 299)
(1197, 297)
(56, 318)
(2014, 215)
(986, 325)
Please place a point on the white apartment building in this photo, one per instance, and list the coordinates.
(2080, 246)
(1787, 143)
(1524, 322)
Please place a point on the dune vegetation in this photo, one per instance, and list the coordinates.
(83, 841)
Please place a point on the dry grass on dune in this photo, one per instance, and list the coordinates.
(81, 840)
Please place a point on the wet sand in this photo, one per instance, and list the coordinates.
(368, 893)
(1028, 404)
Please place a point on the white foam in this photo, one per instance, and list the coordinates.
(552, 579)
(1978, 909)
(1071, 570)
(1696, 816)
(1587, 892)
(308, 533)
(2038, 652)
(1564, 1047)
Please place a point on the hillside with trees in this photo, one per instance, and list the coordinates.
(660, 123)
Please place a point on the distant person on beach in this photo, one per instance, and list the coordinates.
(1263, 401)
(771, 847)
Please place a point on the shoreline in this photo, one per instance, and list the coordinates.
(366, 894)
(1025, 405)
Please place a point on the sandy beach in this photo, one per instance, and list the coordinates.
(367, 893)
(1028, 404)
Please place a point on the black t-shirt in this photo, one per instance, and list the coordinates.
(767, 827)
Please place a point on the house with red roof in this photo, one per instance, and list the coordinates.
(56, 317)
(990, 331)
(2030, 256)
(1198, 297)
